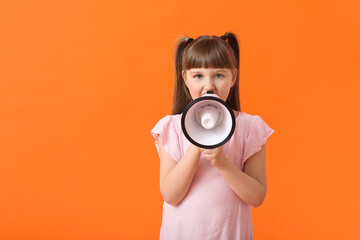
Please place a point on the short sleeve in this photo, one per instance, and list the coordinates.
(169, 136)
(259, 132)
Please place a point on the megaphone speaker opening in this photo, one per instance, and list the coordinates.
(208, 122)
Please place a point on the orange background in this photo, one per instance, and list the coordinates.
(82, 83)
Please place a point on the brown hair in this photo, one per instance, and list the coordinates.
(205, 52)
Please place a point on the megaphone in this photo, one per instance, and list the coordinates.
(208, 122)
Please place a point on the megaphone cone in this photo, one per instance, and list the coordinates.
(208, 122)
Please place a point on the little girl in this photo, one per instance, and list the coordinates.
(209, 193)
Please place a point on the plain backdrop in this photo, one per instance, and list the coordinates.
(82, 83)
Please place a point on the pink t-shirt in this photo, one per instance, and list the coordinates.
(210, 210)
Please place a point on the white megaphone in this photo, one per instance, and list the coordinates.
(208, 121)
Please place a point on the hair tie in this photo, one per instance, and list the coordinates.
(190, 40)
(223, 37)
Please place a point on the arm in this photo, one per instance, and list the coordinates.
(250, 185)
(176, 178)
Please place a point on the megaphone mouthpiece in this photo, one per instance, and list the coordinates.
(209, 116)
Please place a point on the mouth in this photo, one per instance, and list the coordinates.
(212, 92)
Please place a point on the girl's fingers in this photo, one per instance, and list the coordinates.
(208, 157)
(213, 150)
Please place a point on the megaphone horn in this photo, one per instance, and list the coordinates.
(208, 122)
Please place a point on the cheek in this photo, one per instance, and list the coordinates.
(223, 88)
(194, 87)
(224, 93)
(193, 90)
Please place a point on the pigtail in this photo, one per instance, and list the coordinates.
(234, 95)
(234, 44)
(181, 93)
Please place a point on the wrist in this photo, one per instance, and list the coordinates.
(222, 164)
(194, 150)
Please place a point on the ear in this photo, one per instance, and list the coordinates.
(234, 77)
(184, 77)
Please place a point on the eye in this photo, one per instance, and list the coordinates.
(198, 76)
(218, 75)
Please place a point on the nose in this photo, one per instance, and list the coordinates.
(209, 85)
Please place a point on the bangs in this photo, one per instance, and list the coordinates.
(209, 53)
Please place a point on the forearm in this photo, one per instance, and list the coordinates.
(177, 182)
(247, 188)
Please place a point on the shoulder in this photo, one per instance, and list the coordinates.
(257, 130)
(169, 131)
(248, 119)
(245, 120)
(169, 122)
(250, 124)
(173, 119)
(247, 116)
(176, 117)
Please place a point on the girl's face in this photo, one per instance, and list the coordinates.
(201, 80)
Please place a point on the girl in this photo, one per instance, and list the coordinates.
(209, 193)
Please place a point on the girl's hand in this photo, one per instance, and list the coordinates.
(215, 156)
